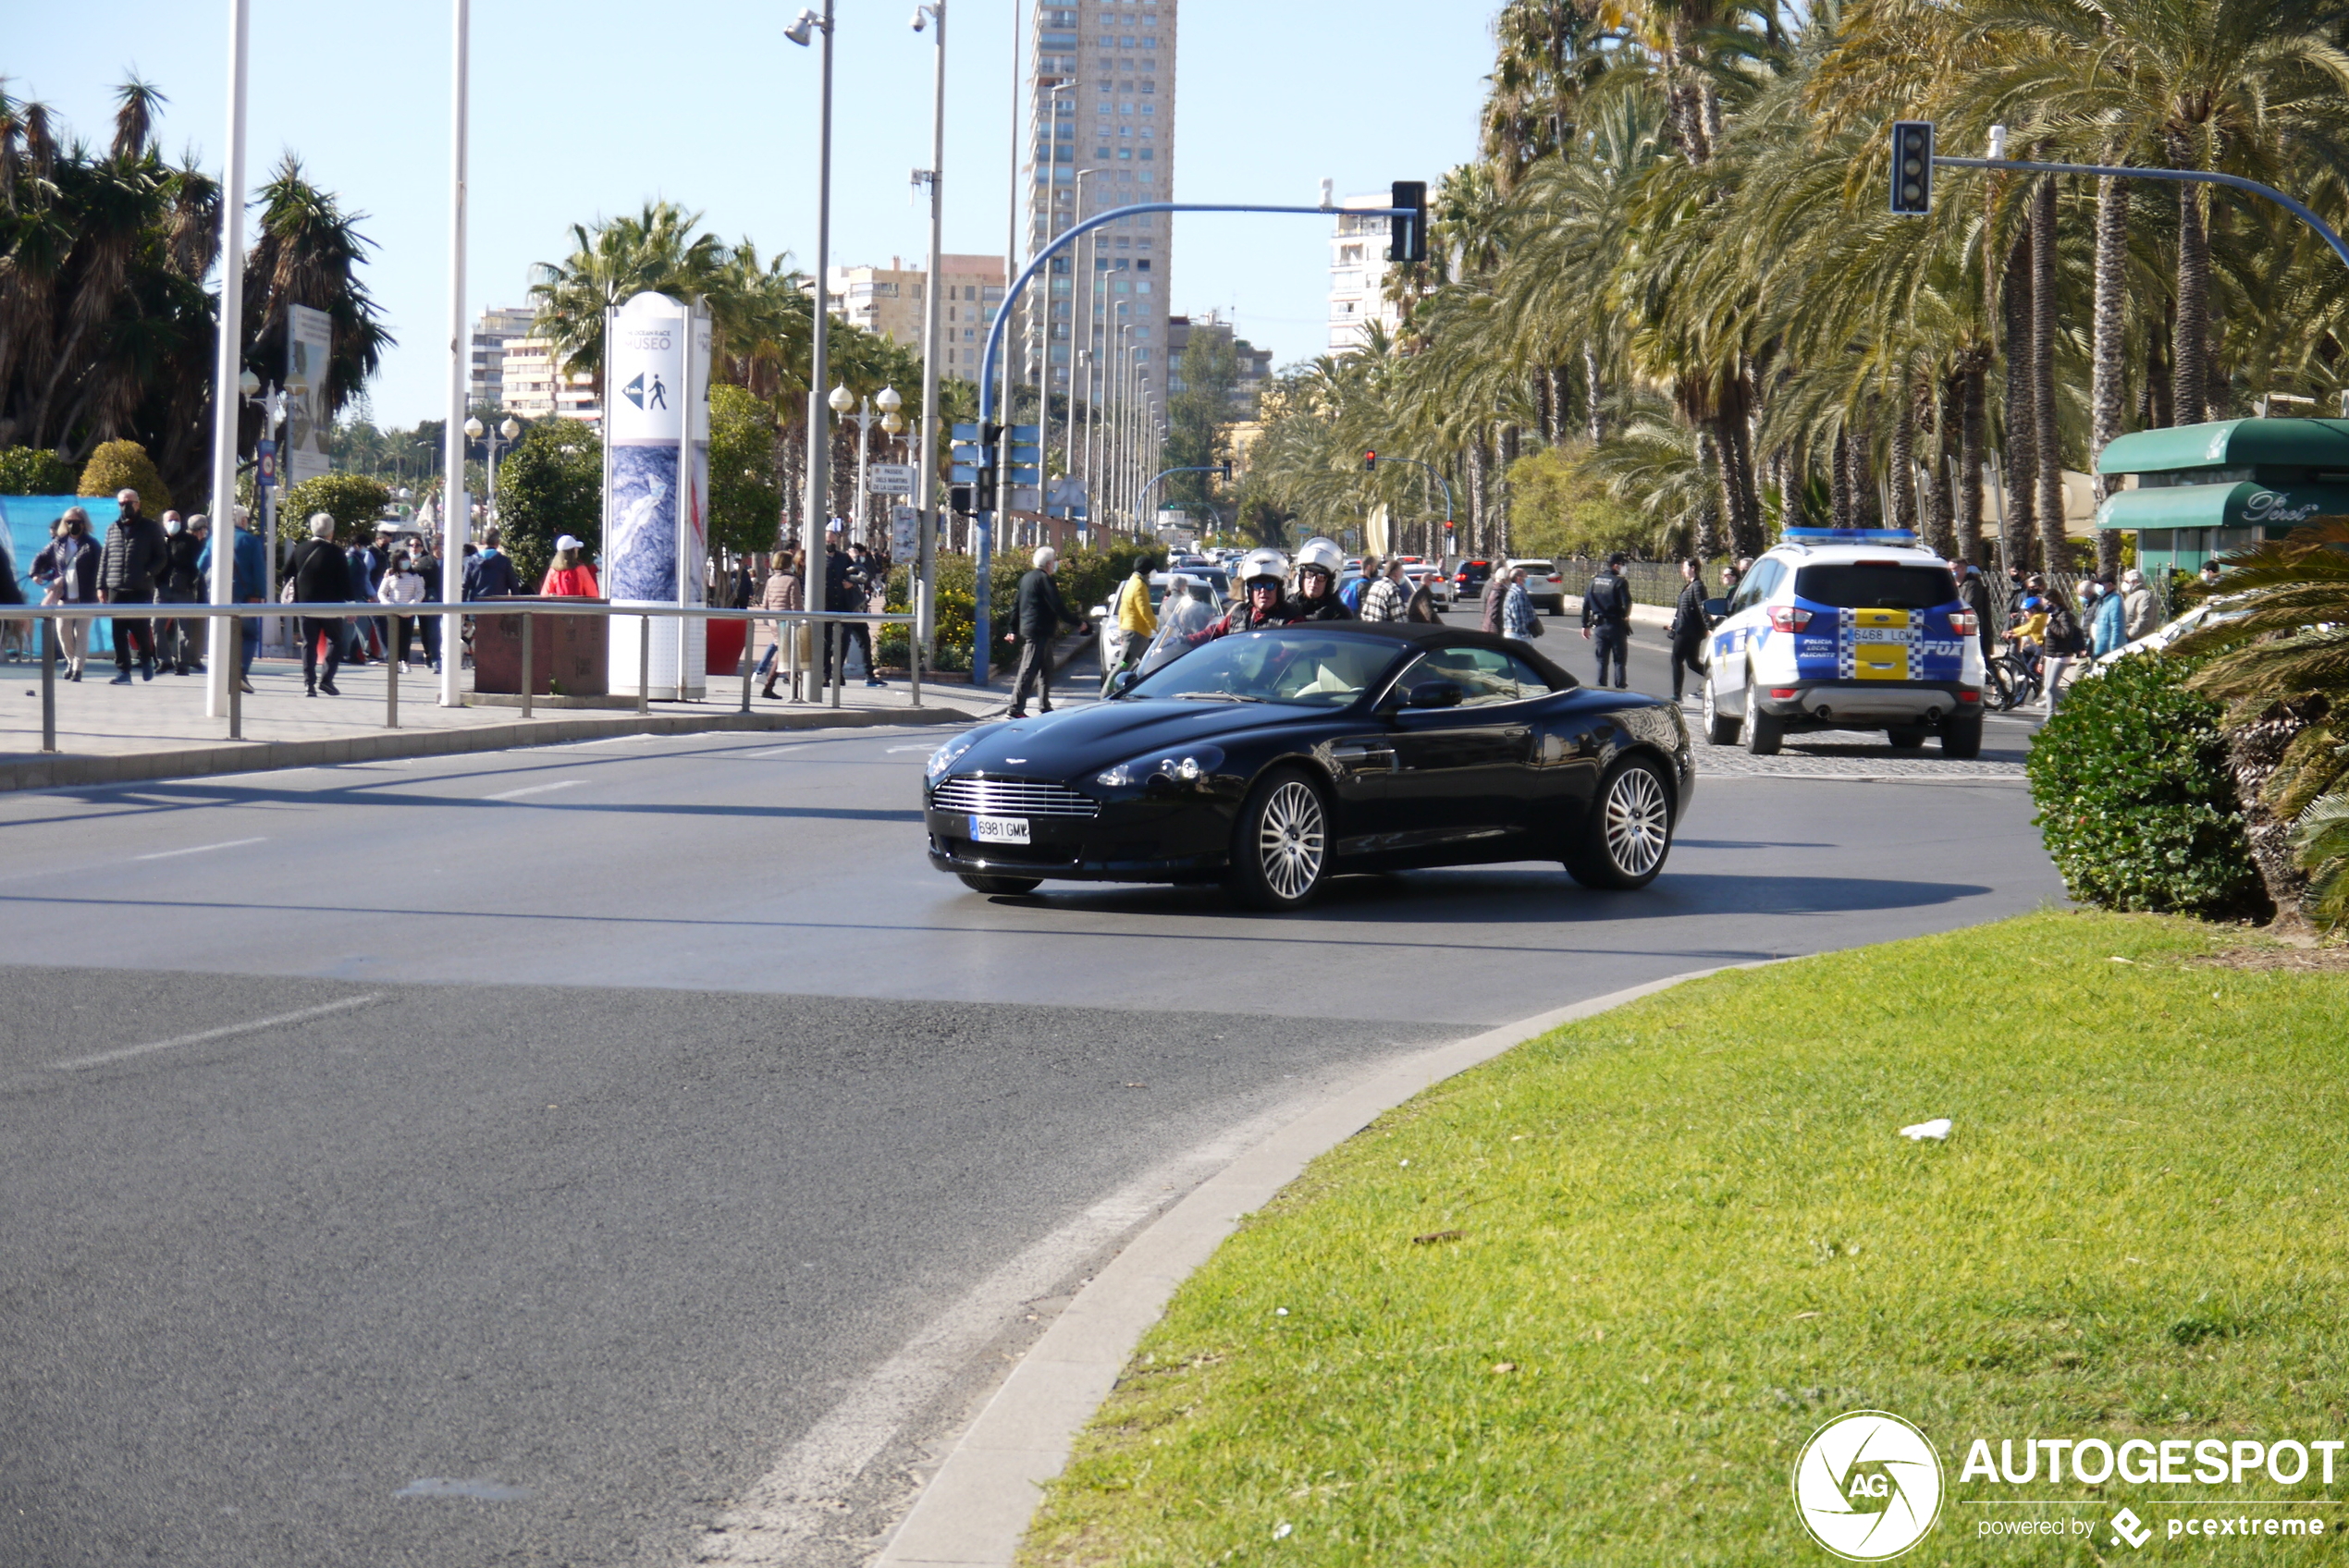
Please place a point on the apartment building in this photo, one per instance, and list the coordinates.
(1101, 95)
(1358, 274)
(485, 381)
(534, 388)
(891, 300)
(1255, 363)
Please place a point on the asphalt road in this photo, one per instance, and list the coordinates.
(630, 1103)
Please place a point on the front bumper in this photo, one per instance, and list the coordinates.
(1183, 838)
(1848, 705)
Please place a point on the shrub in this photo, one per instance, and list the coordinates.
(550, 485)
(34, 470)
(118, 463)
(1086, 578)
(2136, 805)
(356, 502)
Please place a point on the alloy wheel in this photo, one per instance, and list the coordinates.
(1289, 839)
(1638, 823)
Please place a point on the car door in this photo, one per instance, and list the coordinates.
(1731, 638)
(1463, 775)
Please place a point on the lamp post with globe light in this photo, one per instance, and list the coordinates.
(802, 31)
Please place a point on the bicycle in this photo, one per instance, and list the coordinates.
(2012, 682)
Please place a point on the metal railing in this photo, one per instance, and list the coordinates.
(786, 623)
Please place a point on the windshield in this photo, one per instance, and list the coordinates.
(1316, 670)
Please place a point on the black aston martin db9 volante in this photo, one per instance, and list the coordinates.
(1270, 761)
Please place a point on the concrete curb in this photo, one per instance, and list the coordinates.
(256, 757)
(976, 1509)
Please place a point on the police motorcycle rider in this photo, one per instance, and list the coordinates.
(1263, 602)
(1318, 563)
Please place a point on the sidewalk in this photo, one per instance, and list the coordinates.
(158, 730)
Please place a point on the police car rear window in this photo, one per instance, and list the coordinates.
(1863, 585)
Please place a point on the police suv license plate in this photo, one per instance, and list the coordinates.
(999, 830)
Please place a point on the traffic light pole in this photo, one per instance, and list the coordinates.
(2190, 177)
(982, 630)
(1141, 502)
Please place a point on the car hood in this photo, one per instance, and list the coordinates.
(1103, 734)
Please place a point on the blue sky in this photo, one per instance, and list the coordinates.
(591, 107)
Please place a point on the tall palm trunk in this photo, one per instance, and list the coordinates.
(2191, 347)
(2022, 420)
(1476, 477)
(1504, 543)
(1973, 397)
(2053, 548)
(1840, 480)
(2108, 373)
(1904, 458)
(1709, 539)
(1591, 388)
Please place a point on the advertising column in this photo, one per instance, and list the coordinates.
(655, 488)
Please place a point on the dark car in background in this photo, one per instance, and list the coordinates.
(1272, 759)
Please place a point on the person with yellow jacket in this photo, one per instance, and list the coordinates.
(1135, 617)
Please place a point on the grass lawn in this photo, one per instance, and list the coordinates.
(1586, 1304)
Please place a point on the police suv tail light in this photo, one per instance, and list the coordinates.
(1780, 693)
(1788, 618)
(1964, 623)
(1967, 696)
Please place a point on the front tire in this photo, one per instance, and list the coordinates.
(1281, 849)
(1629, 832)
(1001, 886)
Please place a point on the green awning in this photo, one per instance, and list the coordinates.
(2246, 504)
(2231, 443)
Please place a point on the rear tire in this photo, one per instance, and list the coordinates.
(1906, 736)
(1281, 849)
(1623, 840)
(1763, 732)
(1962, 738)
(1001, 886)
(1720, 728)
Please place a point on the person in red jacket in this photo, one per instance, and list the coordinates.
(570, 577)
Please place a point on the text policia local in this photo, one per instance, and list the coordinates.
(2178, 1462)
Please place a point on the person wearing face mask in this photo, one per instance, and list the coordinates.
(179, 583)
(68, 571)
(1318, 564)
(127, 573)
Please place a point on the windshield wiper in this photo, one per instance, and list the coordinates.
(1215, 697)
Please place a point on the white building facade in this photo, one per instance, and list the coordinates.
(1358, 274)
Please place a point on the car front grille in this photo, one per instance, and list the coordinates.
(1011, 797)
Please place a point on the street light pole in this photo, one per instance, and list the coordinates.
(227, 637)
(1087, 251)
(815, 505)
(456, 518)
(926, 477)
(1047, 372)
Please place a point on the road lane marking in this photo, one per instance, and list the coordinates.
(534, 789)
(75, 1064)
(893, 749)
(200, 849)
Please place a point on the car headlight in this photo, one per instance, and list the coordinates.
(943, 758)
(1185, 766)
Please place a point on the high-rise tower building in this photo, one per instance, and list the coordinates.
(1101, 93)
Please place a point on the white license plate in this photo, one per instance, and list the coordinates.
(999, 830)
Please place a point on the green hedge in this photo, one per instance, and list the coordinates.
(1086, 578)
(2136, 805)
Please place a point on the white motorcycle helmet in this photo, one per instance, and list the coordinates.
(1323, 555)
(1259, 565)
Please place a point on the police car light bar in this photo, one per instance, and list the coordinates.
(1852, 535)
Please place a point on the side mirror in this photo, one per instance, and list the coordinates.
(1716, 610)
(1436, 695)
(1100, 612)
(1127, 680)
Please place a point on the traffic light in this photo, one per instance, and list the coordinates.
(1912, 168)
(1407, 236)
(1369, 462)
(991, 443)
(958, 500)
(1227, 470)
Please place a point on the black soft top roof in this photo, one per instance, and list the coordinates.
(1421, 632)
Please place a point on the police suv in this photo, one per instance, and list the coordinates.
(1845, 629)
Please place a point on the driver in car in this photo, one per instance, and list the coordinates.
(1317, 568)
(1263, 602)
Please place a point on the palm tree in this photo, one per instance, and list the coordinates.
(613, 260)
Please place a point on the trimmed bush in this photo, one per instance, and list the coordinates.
(118, 463)
(2136, 805)
(356, 501)
(34, 470)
